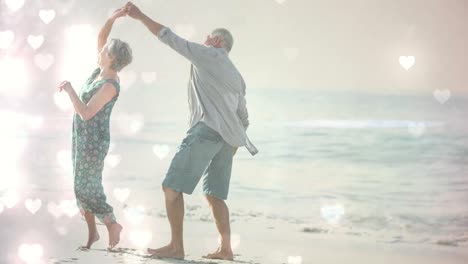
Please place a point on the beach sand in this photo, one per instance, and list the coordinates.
(255, 240)
(258, 244)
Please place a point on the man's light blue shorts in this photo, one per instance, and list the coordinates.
(203, 152)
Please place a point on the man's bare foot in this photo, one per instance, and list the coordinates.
(91, 240)
(114, 234)
(168, 251)
(221, 254)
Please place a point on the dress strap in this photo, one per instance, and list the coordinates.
(93, 75)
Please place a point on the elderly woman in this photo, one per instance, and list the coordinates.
(91, 136)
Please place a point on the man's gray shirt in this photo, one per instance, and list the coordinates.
(216, 90)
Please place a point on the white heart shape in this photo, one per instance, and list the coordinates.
(417, 129)
(127, 78)
(113, 160)
(407, 62)
(161, 151)
(35, 41)
(136, 125)
(442, 96)
(141, 238)
(6, 38)
(69, 207)
(332, 213)
(294, 260)
(291, 53)
(135, 215)
(131, 123)
(186, 31)
(121, 194)
(30, 253)
(54, 209)
(9, 198)
(33, 205)
(148, 77)
(47, 15)
(62, 101)
(14, 5)
(44, 61)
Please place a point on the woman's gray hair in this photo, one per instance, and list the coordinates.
(121, 53)
(226, 36)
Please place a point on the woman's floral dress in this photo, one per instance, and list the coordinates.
(90, 145)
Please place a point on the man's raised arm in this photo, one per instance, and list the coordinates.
(194, 52)
(135, 12)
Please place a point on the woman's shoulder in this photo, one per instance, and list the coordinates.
(112, 82)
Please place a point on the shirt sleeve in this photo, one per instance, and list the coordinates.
(242, 108)
(194, 52)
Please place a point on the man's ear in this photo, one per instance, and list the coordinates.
(217, 40)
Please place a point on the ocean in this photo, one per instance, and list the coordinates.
(385, 165)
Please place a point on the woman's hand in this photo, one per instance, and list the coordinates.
(133, 10)
(65, 86)
(119, 13)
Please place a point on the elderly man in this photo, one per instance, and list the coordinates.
(218, 124)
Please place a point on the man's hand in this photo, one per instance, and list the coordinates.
(119, 13)
(133, 10)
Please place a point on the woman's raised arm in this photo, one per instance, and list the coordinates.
(106, 29)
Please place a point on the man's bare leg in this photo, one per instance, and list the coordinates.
(93, 234)
(221, 215)
(175, 214)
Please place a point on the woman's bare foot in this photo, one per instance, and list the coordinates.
(114, 234)
(168, 251)
(91, 239)
(221, 254)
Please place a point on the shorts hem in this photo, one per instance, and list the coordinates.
(210, 193)
(177, 189)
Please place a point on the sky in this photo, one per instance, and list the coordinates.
(282, 44)
(323, 44)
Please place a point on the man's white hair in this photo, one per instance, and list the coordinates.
(121, 52)
(226, 37)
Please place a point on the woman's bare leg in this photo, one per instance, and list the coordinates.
(93, 234)
(114, 230)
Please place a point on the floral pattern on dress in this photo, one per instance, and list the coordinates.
(90, 145)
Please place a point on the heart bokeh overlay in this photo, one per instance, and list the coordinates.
(44, 42)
